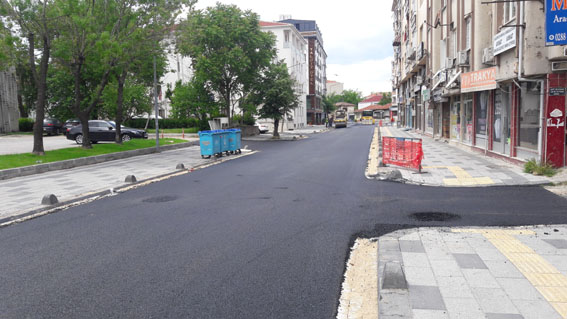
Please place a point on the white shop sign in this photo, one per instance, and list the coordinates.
(504, 40)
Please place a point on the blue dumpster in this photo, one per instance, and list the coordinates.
(234, 140)
(210, 142)
(224, 135)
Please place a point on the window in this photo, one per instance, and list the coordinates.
(481, 112)
(468, 33)
(509, 11)
(286, 38)
(529, 114)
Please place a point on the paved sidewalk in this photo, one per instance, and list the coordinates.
(510, 273)
(23, 194)
(446, 165)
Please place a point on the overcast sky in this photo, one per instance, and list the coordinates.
(357, 36)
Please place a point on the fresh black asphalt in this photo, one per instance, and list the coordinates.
(263, 236)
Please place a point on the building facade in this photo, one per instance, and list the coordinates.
(317, 68)
(292, 49)
(178, 70)
(479, 74)
(334, 87)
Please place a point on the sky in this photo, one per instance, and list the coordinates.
(357, 36)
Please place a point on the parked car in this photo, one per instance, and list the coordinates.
(262, 127)
(100, 131)
(52, 126)
(69, 124)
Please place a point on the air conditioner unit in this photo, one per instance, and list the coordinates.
(559, 66)
(449, 63)
(488, 56)
(463, 58)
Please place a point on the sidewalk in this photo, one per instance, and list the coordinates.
(446, 165)
(21, 195)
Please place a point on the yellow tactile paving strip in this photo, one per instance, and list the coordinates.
(549, 281)
(462, 177)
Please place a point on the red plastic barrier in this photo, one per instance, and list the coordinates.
(401, 151)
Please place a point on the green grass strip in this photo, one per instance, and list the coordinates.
(27, 159)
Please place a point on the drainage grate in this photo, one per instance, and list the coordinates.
(160, 199)
(434, 216)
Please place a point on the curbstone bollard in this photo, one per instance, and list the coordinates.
(130, 179)
(49, 199)
(180, 166)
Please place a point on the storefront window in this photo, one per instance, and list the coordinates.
(529, 113)
(468, 108)
(456, 120)
(481, 112)
(501, 119)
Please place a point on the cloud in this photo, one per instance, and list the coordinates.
(365, 76)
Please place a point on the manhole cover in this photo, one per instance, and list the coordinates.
(434, 216)
(160, 199)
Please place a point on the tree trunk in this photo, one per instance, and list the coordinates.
(41, 83)
(119, 106)
(276, 124)
(84, 118)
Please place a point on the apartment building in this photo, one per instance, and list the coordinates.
(317, 68)
(335, 87)
(483, 75)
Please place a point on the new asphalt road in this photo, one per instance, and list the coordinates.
(263, 236)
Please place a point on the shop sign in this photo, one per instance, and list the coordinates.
(555, 22)
(505, 40)
(438, 96)
(556, 91)
(480, 80)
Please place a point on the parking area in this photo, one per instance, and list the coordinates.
(16, 144)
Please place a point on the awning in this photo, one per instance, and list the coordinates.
(453, 79)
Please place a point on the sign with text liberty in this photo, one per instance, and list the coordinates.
(555, 22)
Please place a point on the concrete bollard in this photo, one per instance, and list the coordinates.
(130, 179)
(180, 166)
(49, 199)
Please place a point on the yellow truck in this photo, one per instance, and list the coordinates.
(367, 118)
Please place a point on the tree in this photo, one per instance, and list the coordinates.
(352, 97)
(135, 100)
(6, 44)
(193, 99)
(276, 94)
(386, 98)
(35, 21)
(228, 51)
(329, 102)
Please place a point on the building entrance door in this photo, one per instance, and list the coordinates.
(501, 122)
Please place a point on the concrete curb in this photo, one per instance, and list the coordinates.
(55, 166)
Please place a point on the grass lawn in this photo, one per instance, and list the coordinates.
(26, 159)
(190, 130)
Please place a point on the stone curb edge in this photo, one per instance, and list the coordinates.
(38, 212)
(72, 163)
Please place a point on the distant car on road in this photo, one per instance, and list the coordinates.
(104, 131)
(69, 124)
(263, 128)
(52, 126)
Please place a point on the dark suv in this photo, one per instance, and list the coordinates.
(52, 126)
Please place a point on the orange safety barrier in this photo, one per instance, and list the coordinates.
(402, 151)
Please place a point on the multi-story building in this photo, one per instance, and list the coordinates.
(292, 49)
(334, 87)
(479, 74)
(317, 68)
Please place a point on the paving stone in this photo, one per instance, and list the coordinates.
(469, 261)
(463, 308)
(494, 300)
(426, 297)
(419, 276)
(490, 254)
(394, 277)
(503, 269)
(454, 287)
(557, 243)
(411, 246)
(519, 289)
(388, 245)
(415, 260)
(429, 314)
(394, 303)
(539, 309)
(480, 278)
(446, 268)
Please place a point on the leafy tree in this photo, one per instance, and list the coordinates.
(6, 44)
(352, 97)
(192, 99)
(135, 101)
(386, 98)
(276, 94)
(35, 21)
(228, 51)
(329, 102)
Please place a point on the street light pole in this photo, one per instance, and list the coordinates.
(156, 105)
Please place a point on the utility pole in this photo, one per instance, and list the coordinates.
(156, 105)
